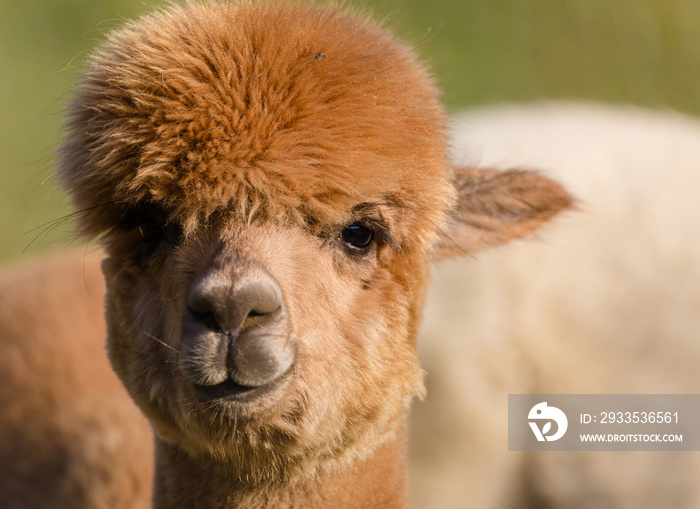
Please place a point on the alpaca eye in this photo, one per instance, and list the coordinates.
(150, 231)
(357, 237)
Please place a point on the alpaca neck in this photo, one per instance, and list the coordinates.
(379, 481)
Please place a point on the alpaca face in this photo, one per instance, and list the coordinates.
(267, 216)
(260, 342)
(250, 338)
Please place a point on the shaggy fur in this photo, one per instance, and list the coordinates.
(214, 141)
(230, 108)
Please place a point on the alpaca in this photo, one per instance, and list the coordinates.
(269, 183)
(69, 434)
(605, 302)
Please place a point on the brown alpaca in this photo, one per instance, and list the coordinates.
(269, 183)
(69, 435)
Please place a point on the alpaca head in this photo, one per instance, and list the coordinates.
(269, 183)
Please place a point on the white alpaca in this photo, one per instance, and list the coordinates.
(606, 300)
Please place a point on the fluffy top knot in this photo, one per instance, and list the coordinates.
(283, 111)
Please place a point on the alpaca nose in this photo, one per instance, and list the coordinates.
(226, 306)
(236, 330)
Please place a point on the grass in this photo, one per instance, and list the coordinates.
(645, 52)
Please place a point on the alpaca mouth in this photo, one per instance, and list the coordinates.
(227, 390)
(231, 392)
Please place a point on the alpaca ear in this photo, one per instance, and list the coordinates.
(494, 207)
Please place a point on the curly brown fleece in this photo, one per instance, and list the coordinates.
(228, 106)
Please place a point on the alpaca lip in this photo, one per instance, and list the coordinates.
(227, 390)
(231, 391)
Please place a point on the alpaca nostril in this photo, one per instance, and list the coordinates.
(207, 319)
(201, 309)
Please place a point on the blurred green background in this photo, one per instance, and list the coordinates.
(482, 51)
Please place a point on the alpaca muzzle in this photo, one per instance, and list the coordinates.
(235, 334)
